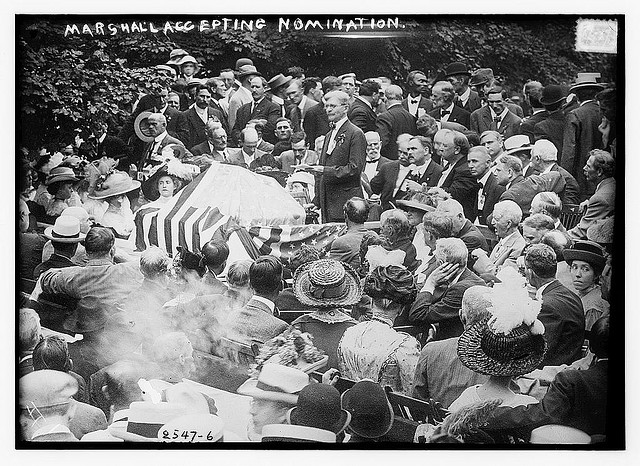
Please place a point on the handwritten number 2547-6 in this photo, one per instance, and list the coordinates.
(189, 435)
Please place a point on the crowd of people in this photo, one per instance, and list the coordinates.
(473, 276)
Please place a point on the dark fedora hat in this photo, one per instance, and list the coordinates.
(248, 70)
(319, 406)
(552, 94)
(371, 412)
(456, 68)
(587, 251)
(480, 76)
(278, 81)
(485, 352)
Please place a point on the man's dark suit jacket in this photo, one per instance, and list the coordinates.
(474, 102)
(551, 129)
(346, 248)
(523, 190)
(581, 135)
(385, 181)
(202, 148)
(463, 187)
(340, 180)
(528, 124)
(562, 315)
(443, 305)
(472, 237)
(255, 322)
(481, 121)
(190, 127)
(266, 110)
(391, 124)
(457, 115)
(571, 193)
(576, 398)
(112, 147)
(172, 115)
(424, 103)
(492, 192)
(165, 142)
(362, 115)
(316, 123)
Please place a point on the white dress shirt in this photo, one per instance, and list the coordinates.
(464, 97)
(334, 132)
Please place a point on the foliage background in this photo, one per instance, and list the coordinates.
(64, 82)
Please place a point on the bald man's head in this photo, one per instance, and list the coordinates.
(393, 92)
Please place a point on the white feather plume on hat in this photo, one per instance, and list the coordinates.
(511, 304)
(181, 170)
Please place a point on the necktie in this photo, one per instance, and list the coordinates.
(332, 126)
(373, 161)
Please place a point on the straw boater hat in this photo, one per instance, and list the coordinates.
(141, 127)
(278, 80)
(327, 283)
(511, 342)
(298, 434)
(517, 143)
(586, 80)
(371, 412)
(116, 183)
(587, 251)
(319, 406)
(415, 205)
(276, 383)
(65, 230)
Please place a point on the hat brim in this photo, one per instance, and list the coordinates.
(472, 356)
(473, 82)
(249, 388)
(139, 130)
(551, 102)
(370, 430)
(58, 178)
(585, 86)
(48, 233)
(129, 437)
(592, 258)
(294, 417)
(518, 149)
(456, 73)
(135, 184)
(415, 205)
(249, 73)
(302, 288)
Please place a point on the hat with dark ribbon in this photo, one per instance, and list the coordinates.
(455, 68)
(327, 283)
(65, 230)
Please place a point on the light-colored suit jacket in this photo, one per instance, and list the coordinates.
(600, 205)
(509, 249)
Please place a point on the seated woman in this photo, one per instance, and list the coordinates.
(167, 179)
(373, 349)
(586, 261)
(113, 189)
(60, 184)
(508, 344)
(326, 287)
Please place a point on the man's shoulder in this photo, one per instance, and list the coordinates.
(481, 111)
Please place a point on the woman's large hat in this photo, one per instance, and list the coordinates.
(115, 184)
(171, 167)
(60, 174)
(371, 412)
(587, 251)
(489, 353)
(65, 230)
(141, 127)
(327, 283)
(319, 406)
(552, 94)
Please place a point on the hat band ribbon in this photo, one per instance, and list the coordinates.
(328, 292)
(57, 235)
(270, 388)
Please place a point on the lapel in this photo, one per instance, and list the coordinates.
(258, 108)
(486, 115)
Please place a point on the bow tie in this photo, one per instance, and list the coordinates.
(373, 161)
(332, 125)
(444, 112)
(415, 101)
(497, 119)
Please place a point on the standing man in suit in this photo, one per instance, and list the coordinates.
(316, 122)
(581, 133)
(443, 95)
(258, 320)
(372, 167)
(424, 169)
(552, 126)
(506, 218)
(361, 112)
(191, 123)
(456, 179)
(107, 146)
(158, 129)
(440, 299)
(242, 95)
(300, 105)
(341, 161)
(218, 99)
(544, 158)
(346, 248)
(495, 116)
(260, 108)
(532, 93)
(417, 103)
(599, 170)
(171, 113)
(394, 122)
(458, 75)
(489, 191)
(562, 313)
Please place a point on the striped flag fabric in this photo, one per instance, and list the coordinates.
(284, 240)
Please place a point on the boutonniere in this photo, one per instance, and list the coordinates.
(340, 139)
